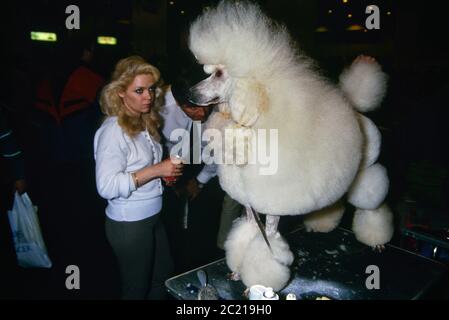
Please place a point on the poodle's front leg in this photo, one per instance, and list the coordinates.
(242, 233)
(250, 215)
(271, 225)
(267, 260)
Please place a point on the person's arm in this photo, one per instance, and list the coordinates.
(112, 178)
(194, 185)
(208, 172)
(110, 167)
(166, 168)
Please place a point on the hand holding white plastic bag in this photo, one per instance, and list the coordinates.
(28, 241)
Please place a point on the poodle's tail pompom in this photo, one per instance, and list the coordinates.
(364, 84)
(265, 267)
(242, 232)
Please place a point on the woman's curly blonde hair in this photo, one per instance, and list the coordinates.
(112, 104)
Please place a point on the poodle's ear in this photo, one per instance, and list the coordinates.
(248, 101)
(224, 108)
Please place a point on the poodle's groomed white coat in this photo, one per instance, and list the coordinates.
(325, 147)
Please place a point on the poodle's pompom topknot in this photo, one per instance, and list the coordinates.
(215, 35)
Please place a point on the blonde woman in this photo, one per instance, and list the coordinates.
(129, 166)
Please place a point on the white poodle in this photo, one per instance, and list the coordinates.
(326, 149)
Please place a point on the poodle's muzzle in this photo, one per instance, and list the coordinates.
(197, 98)
(211, 90)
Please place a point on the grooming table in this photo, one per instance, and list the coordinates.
(334, 265)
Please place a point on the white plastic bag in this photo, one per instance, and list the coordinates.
(28, 242)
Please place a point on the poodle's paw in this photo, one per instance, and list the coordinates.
(364, 59)
(373, 227)
(379, 248)
(265, 267)
(324, 220)
(234, 276)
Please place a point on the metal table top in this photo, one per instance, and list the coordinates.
(334, 265)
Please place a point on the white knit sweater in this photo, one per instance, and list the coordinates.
(117, 155)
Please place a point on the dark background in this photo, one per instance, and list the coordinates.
(411, 45)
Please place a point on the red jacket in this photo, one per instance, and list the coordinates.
(79, 93)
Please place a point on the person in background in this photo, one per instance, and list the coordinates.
(66, 106)
(10, 151)
(12, 179)
(65, 115)
(193, 203)
(230, 210)
(129, 166)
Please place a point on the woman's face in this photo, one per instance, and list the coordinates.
(140, 94)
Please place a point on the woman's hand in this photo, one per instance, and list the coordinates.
(169, 168)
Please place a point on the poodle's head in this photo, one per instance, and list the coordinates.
(244, 52)
(246, 98)
(212, 90)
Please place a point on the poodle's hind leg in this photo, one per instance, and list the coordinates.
(369, 188)
(373, 227)
(373, 220)
(325, 220)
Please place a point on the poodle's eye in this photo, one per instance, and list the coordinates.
(218, 73)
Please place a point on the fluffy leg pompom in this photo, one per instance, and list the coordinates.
(370, 187)
(372, 143)
(373, 227)
(242, 232)
(265, 267)
(324, 220)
